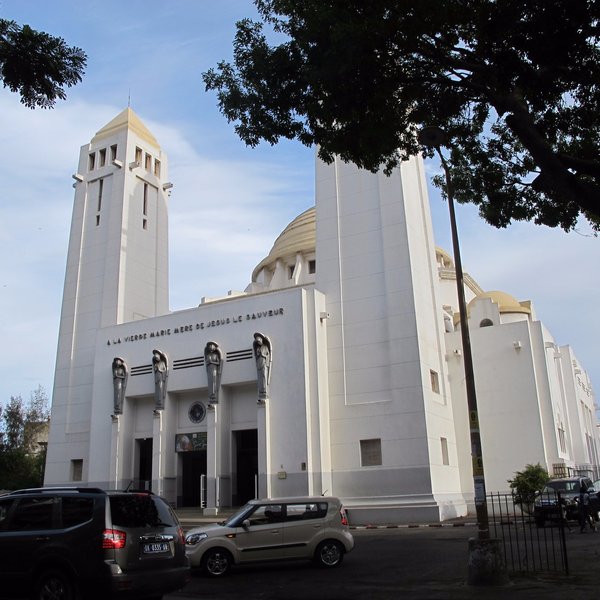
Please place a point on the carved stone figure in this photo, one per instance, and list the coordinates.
(160, 366)
(263, 355)
(120, 374)
(213, 360)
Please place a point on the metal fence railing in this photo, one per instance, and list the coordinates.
(527, 547)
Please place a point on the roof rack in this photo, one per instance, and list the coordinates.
(49, 490)
(131, 491)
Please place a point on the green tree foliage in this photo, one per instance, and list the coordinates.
(514, 83)
(22, 427)
(527, 482)
(38, 65)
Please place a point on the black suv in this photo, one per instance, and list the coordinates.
(548, 508)
(80, 543)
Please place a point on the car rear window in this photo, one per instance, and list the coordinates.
(562, 486)
(306, 511)
(140, 510)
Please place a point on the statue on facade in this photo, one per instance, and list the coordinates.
(213, 361)
(120, 374)
(263, 355)
(160, 366)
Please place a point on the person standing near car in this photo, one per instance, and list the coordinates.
(585, 517)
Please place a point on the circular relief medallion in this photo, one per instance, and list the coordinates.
(197, 412)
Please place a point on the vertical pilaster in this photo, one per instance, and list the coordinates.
(157, 453)
(264, 449)
(213, 460)
(115, 451)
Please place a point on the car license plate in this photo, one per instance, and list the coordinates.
(156, 547)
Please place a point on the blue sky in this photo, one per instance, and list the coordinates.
(228, 203)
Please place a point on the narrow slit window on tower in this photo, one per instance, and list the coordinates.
(100, 191)
(113, 152)
(91, 161)
(145, 223)
(291, 272)
(444, 446)
(435, 381)
(157, 167)
(102, 157)
(97, 220)
(138, 156)
(312, 267)
(148, 162)
(145, 202)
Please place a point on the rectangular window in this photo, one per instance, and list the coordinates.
(306, 511)
(144, 223)
(77, 469)
(100, 191)
(138, 156)
(291, 272)
(91, 161)
(312, 267)
(370, 453)
(561, 439)
(148, 163)
(145, 201)
(76, 511)
(157, 167)
(435, 381)
(102, 157)
(444, 444)
(33, 513)
(5, 506)
(113, 152)
(97, 220)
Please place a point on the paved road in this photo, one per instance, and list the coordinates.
(420, 563)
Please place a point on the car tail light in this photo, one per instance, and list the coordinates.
(343, 516)
(113, 539)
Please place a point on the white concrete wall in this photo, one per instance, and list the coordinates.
(376, 267)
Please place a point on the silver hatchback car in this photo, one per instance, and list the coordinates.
(312, 527)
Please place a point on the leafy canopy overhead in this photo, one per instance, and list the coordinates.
(515, 84)
(37, 65)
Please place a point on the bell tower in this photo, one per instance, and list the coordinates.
(117, 269)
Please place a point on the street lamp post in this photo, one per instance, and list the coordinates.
(433, 137)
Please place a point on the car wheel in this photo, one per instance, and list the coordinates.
(216, 562)
(329, 554)
(54, 585)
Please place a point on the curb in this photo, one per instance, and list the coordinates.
(413, 526)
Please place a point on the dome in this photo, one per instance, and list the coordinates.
(299, 236)
(506, 303)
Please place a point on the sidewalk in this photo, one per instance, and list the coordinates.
(192, 517)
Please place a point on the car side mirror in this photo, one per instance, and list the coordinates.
(246, 523)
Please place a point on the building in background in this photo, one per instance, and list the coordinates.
(338, 370)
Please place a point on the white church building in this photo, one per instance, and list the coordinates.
(338, 371)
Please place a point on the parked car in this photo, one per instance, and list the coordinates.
(314, 528)
(80, 543)
(547, 506)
